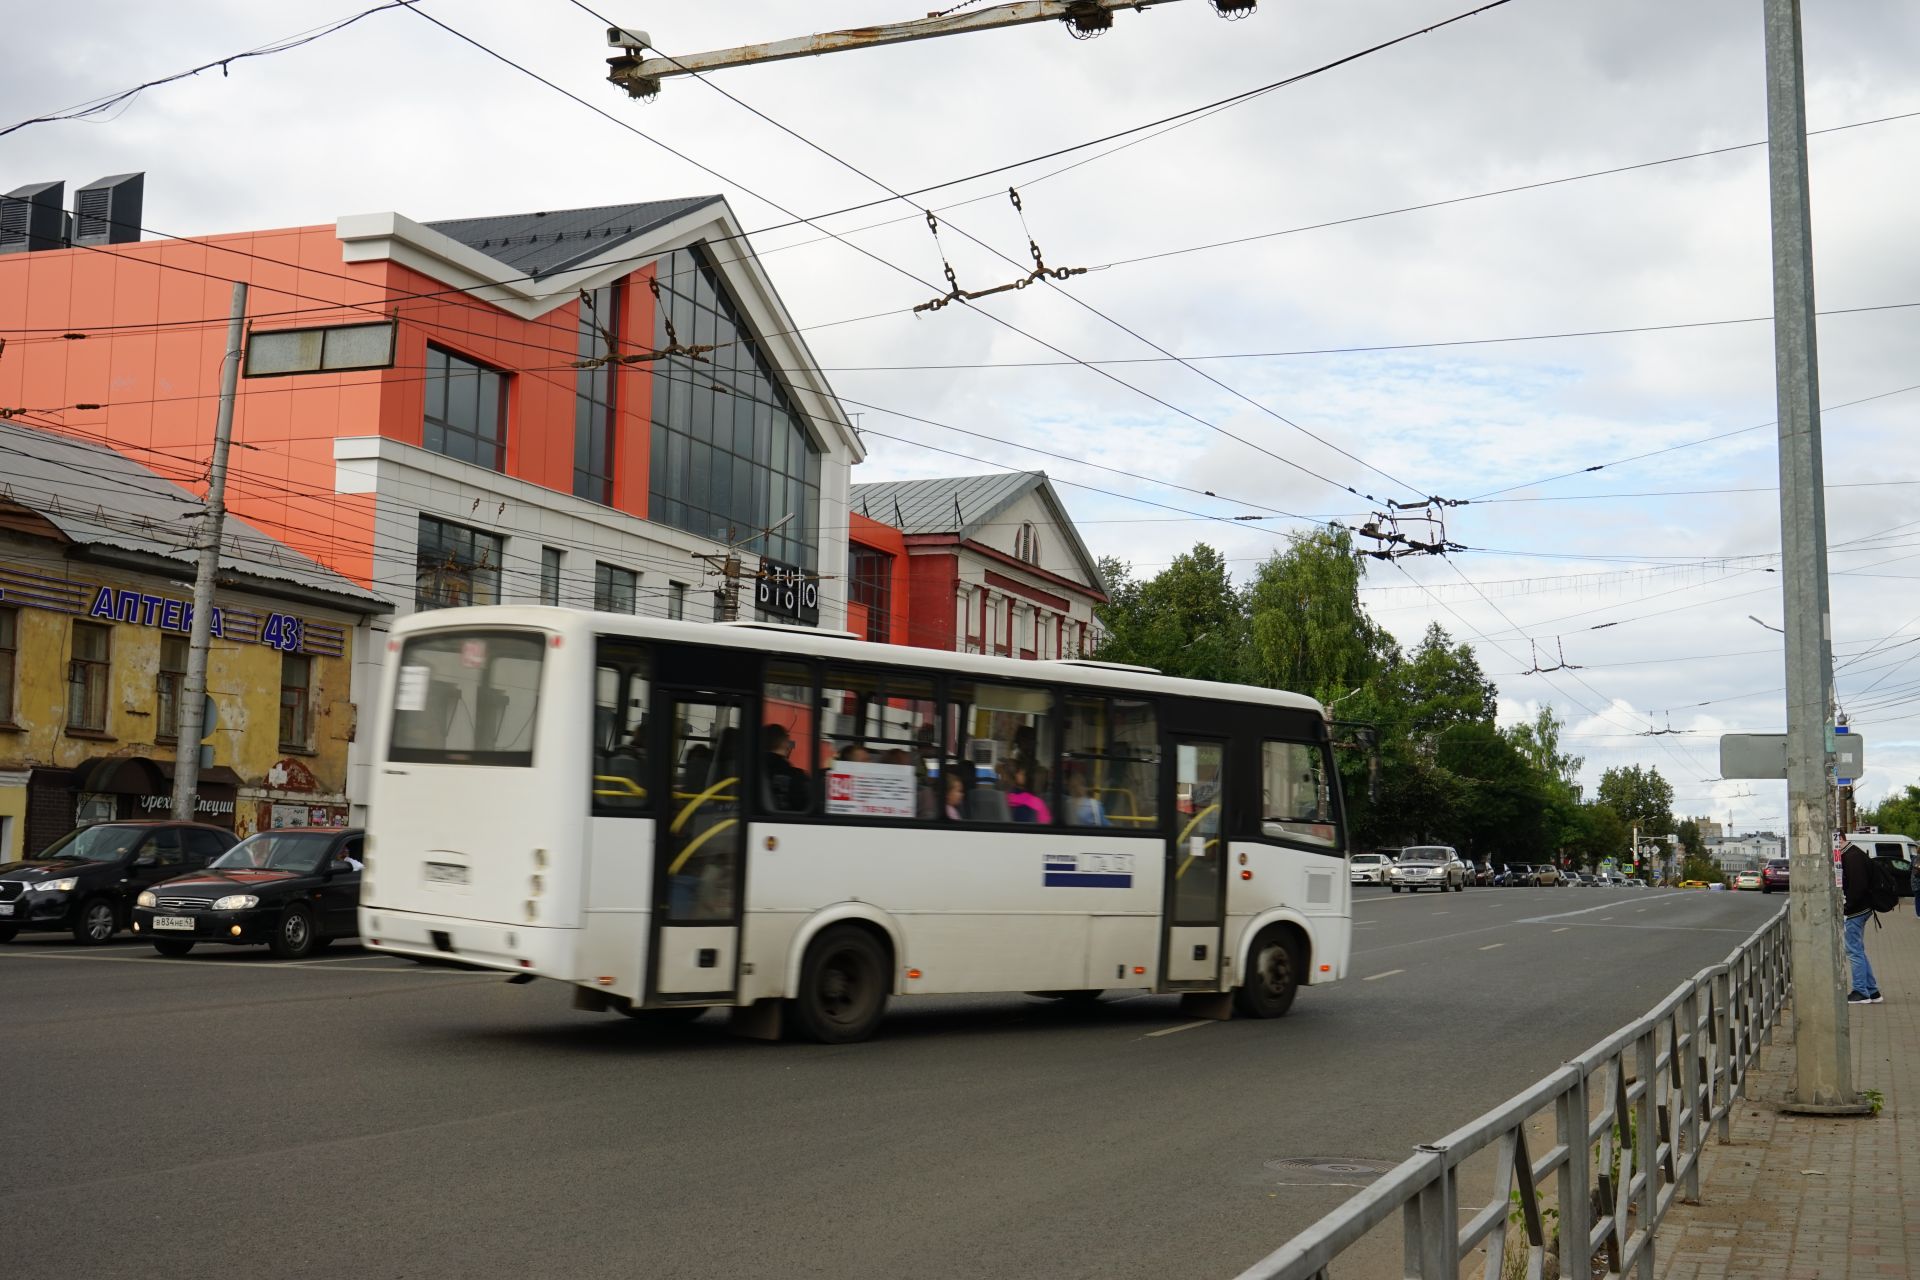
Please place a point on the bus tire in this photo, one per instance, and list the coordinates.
(1274, 967)
(843, 987)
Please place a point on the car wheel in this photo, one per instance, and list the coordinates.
(293, 937)
(843, 991)
(1273, 976)
(1396, 888)
(8, 932)
(1765, 889)
(175, 947)
(95, 922)
(1461, 887)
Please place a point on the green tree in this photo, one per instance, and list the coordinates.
(1187, 620)
(1641, 796)
(1600, 832)
(1692, 844)
(1899, 814)
(1307, 628)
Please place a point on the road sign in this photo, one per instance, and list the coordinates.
(1764, 755)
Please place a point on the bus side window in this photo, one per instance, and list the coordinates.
(1295, 803)
(1110, 764)
(620, 695)
(1000, 750)
(877, 733)
(789, 752)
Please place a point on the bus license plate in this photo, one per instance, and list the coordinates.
(446, 873)
(172, 922)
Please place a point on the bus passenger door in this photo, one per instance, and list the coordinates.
(700, 847)
(1196, 866)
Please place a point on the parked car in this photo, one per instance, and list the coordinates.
(1368, 868)
(1773, 875)
(1747, 880)
(1546, 874)
(294, 889)
(1578, 879)
(1428, 866)
(86, 881)
(1483, 873)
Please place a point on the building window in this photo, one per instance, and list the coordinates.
(593, 398)
(870, 584)
(1026, 544)
(676, 599)
(173, 678)
(466, 413)
(549, 575)
(615, 590)
(737, 458)
(9, 644)
(296, 686)
(87, 677)
(455, 566)
(332, 349)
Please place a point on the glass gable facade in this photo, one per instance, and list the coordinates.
(737, 459)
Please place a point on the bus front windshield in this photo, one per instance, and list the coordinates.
(467, 697)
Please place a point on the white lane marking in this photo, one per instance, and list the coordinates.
(1388, 974)
(1563, 928)
(1605, 906)
(1491, 945)
(1442, 913)
(1185, 1026)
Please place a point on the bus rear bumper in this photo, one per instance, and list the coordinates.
(476, 944)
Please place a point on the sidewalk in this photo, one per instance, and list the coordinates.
(1801, 1198)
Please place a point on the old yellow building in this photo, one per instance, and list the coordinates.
(95, 590)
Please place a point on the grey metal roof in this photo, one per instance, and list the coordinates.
(963, 505)
(98, 498)
(540, 244)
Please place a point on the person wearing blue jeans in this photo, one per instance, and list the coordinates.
(1857, 905)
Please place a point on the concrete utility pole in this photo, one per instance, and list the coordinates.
(1823, 1053)
(193, 693)
(1085, 18)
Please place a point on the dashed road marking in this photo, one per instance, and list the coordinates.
(1563, 928)
(1492, 945)
(1388, 974)
(1185, 1026)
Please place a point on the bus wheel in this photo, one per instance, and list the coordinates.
(843, 990)
(1273, 976)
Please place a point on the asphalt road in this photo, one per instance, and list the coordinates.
(357, 1115)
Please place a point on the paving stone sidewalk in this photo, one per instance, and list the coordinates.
(1801, 1198)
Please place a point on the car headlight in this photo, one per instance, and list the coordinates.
(235, 902)
(58, 886)
(146, 899)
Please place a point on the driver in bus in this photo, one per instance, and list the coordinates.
(787, 784)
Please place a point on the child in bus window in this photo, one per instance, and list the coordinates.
(1022, 802)
(956, 794)
(1083, 810)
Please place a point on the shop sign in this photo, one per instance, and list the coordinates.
(279, 631)
(204, 804)
(788, 591)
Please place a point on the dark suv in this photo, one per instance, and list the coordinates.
(87, 881)
(1773, 875)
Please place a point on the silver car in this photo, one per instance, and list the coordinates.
(1369, 868)
(1428, 866)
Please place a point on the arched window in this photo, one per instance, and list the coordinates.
(1026, 544)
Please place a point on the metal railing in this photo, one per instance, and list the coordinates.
(1631, 1116)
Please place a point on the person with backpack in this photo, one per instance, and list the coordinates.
(1867, 886)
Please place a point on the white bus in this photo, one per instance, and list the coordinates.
(673, 816)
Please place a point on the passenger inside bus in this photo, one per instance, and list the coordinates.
(1083, 810)
(1024, 804)
(785, 785)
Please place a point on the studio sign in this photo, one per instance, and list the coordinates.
(789, 591)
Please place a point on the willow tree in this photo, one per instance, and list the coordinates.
(1307, 628)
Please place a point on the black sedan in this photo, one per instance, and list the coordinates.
(295, 889)
(85, 883)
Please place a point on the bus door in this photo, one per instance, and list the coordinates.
(701, 845)
(1196, 865)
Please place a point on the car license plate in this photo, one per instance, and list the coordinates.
(172, 922)
(6, 908)
(446, 873)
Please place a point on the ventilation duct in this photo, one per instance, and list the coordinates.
(108, 211)
(32, 219)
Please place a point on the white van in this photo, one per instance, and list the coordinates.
(1899, 850)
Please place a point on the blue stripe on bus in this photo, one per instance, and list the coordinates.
(1090, 879)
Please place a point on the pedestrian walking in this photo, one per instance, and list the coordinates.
(1863, 885)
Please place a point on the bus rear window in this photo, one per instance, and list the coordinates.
(467, 697)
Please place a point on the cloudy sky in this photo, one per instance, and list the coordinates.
(1643, 574)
